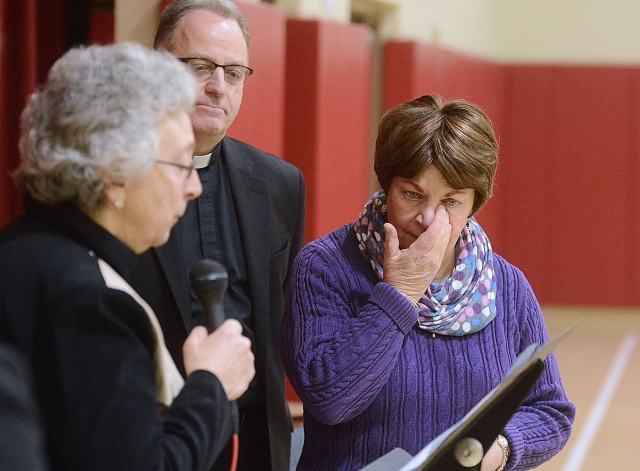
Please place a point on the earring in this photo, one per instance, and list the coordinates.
(118, 204)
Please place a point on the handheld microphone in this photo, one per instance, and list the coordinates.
(209, 282)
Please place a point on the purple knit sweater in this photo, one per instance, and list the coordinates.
(371, 380)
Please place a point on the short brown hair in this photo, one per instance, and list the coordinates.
(456, 136)
(177, 9)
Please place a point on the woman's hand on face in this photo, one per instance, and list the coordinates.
(226, 353)
(411, 270)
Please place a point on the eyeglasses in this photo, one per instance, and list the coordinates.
(204, 69)
(187, 168)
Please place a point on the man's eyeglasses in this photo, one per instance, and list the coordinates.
(187, 168)
(204, 68)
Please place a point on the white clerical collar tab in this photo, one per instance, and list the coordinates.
(201, 161)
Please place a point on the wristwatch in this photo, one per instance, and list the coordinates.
(504, 444)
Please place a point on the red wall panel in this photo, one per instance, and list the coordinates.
(401, 65)
(260, 121)
(102, 28)
(591, 184)
(632, 267)
(32, 36)
(571, 157)
(328, 109)
(525, 163)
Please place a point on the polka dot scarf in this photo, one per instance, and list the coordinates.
(463, 303)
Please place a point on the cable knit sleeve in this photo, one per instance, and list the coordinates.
(342, 332)
(542, 425)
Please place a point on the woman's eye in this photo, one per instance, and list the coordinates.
(412, 195)
(451, 203)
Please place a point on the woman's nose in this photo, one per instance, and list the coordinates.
(192, 187)
(425, 215)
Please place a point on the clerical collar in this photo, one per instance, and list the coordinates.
(201, 161)
(204, 161)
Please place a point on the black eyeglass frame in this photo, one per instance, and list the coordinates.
(189, 168)
(249, 70)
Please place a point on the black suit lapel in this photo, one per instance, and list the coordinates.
(171, 260)
(250, 197)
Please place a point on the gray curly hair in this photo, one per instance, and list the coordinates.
(95, 121)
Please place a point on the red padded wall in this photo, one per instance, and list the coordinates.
(591, 179)
(32, 36)
(328, 111)
(525, 163)
(260, 121)
(571, 151)
(414, 69)
(632, 267)
(102, 26)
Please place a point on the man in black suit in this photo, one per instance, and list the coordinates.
(250, 218)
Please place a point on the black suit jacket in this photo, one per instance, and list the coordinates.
(21, 435)
(269, 197)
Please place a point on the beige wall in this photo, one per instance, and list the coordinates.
(574, 31)
(567, 31)
(337, 10)
(136, 20)
(578, 31)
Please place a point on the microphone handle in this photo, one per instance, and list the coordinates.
(214, 317)
(235, 417)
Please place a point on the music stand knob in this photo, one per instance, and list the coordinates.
(468, 452)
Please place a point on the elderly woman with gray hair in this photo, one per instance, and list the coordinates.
(106, 151)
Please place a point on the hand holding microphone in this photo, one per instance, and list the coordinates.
(235, 367)
(225, 351)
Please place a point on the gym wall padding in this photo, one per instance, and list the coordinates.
(327, 114)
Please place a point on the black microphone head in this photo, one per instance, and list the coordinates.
(209, 276)
(209, 271)
(209, 281)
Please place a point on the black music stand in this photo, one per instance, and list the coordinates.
(462, 446)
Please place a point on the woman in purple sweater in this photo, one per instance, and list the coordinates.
(399, 323)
